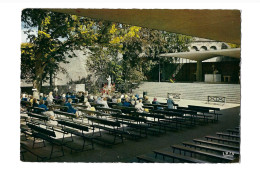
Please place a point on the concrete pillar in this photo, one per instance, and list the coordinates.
(199, 71)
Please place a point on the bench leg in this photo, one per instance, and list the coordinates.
(51, 150)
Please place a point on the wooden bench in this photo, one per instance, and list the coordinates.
(147, 159)
(36, 110)
(26, 131)
(25, 104)
(204, 109)
(190, 117)
(110, 110)
(61, 108)
(215, 149)
(158, 121)
(125, 109)
(231, 136)
(106, 125)
(220, 99)
(194, 151)
(175, 117)
(37, 116)
(233, 131)
(95, 113)
(197, 114)
(133, 122)
(95, 104)
(24, 148)
(222, 139)
(177, 156)
(158, 105)
(70, 116)
(78, 130)
(45, 135)
(200, 141)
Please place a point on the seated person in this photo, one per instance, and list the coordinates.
(70, 108)
(119, 103)
(95, 99)
(132, 103)
(155, 102)
(114, 99)
(86, 103)
(35, 103)
(44, 97)
(146, 100)
(104, 102)
(24, 97)
(49, 113)
(126, 102)
(139, 106)
(42, 105)
(170, 102)
(90, 98)
(137, 96)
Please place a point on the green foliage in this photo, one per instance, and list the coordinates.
(140, 48)
(234, 45)
(57, 36)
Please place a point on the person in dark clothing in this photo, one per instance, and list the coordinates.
(42, 105)
(126, 102)
(155, 102)
(35, 103)
(70, 108)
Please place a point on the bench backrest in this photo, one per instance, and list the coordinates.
(34, 115)
(108, 109)
(42, 130)
(37, 110)
(71, 115)
(134, 118)
(25, 103)
(95, 104)
(125, 109)
(152, 115)
(73, 125)
(203, 107)
(186, 110)
(172, 112)
(102, 121)
(93, 112)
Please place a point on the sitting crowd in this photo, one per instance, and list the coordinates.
(66, 100)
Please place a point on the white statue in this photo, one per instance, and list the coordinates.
(109, 82)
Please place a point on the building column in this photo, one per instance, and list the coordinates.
(199, 71)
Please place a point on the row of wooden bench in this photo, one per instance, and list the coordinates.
(68, 126)
(162, 122)
(224, 147)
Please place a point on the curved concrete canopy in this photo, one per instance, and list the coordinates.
(219, 25)
(204, 55)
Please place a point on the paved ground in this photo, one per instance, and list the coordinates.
(127, 151)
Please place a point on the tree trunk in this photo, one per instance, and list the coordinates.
(51, 81)
(39, 68)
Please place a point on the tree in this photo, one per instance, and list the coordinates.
(140, 49)
(58, 35)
